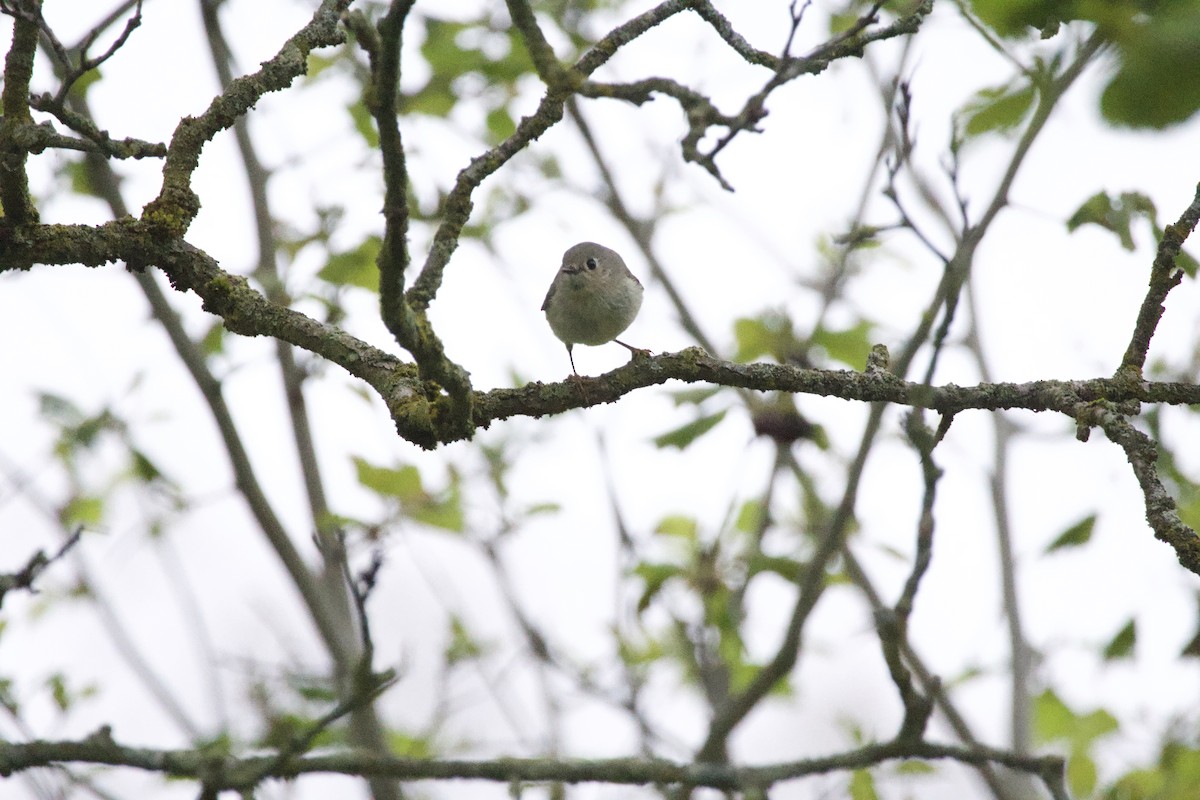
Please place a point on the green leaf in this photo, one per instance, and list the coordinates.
(462, 645)
(768, 335)
(1081, 774)
(80, 177)
(500, 124)
(317, 64)
(862, 785)
(849, 346)
(684, 435)
(677, 525)
(444, 512)
(1186, 263)
(1054, 721)
(355, 267)
(59, 409)
(1012, 18)
(1157, 81)
(57, 684)
(693, 396)
(1078, 534)
(83, 510)
(654, 576)
(402, 483)
(750, 516)
(316, 692)
(213, 341)
(80, 87)
(402, 745)
(441, 510)
(1122, 644)
(143, 468)
(364, 123)
(1115, 214)
(915, 767)
(787, 568)
(998, 109)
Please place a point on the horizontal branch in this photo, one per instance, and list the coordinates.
(220, 771)
(694, 365)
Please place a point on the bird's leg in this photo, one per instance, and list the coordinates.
(576, 378)
(637, 352)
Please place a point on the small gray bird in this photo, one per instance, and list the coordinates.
(593, 298)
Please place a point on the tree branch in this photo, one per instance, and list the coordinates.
(15, 201)
(226, 772)
(177, 205)
(1163, 278)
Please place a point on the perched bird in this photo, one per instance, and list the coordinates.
(593, 299)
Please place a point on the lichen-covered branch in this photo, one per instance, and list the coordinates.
(221, 771)
(1142, 453)
(177, 205)
(15, 201)
(1163, 278)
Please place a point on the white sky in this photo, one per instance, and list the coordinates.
(1053, 305)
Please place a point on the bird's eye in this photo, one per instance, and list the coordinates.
(591, 263)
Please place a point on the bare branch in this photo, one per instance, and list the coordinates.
(38, 562)
(235, 773)
(1163, 278)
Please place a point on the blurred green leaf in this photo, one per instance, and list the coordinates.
(83, 510)
(318, 63)
(403, 745)
(59, 409)
(914, 766)
(355, 267)
(684, 435)
(441, 510)
(1175, 776)
(364, 123)
(85, 81)
(500, 124)
(284, 730)
(1115, 214)
(1012, 18)
(1078, 534)
(143, 468)
(1081, 774)
(654, 576)
(462, 645)
(676, 525)
(1186, 263)
(57, 684)
(862, 785)
(768, 335)
(402, 483)
(316, 693)
(79, 176)
(1157, 80)
(1054, 721)
(849, 346)
(213, 341)
(750, 516)
(787, 568)
(693, 396)
(1122, 643)
(998, 109)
